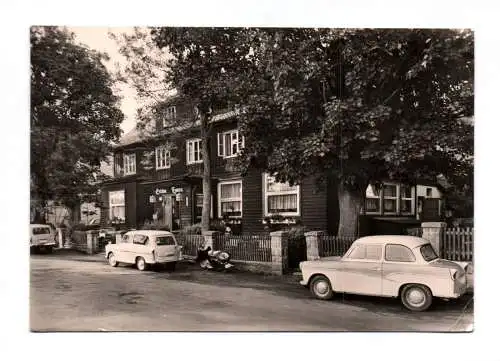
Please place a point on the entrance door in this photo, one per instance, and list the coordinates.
(168, 211)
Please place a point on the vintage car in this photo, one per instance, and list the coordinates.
(42, 237)
(389, 266)
(143, 248)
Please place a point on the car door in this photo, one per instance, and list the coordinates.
(361, 271)
(399, 266)
(123, 248)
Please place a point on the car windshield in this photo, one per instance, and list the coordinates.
(165, 241)
(41, 230)
(428, 252)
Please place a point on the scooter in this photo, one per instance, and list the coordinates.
(213, 260)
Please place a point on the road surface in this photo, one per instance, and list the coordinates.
(76, 292)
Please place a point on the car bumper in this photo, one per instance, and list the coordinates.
(47, 244)
(166, 260)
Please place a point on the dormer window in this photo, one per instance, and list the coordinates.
(129, 164)
(170, 114)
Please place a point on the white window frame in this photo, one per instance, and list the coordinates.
(158, 160)
(412, 199)
(111, 205)
(219, 198)
(398, 199)
(395, 198)
(239, 141)
(170, 113)
(129, 163)
(267, 193)
(379, 198)
(190, 151)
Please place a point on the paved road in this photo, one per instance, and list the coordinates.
(72, 292)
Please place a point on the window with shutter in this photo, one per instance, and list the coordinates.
(230, 143)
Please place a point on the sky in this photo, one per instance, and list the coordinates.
(97, 38)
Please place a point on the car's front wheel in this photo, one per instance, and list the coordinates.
(112, 260)
(321, 288)
(140, 264)
(416, 297)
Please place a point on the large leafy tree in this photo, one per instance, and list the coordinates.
(74, 118)
(199, 64)
(359, 106)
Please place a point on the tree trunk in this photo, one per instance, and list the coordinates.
(207, 176)
(74, 213)
(350, 203)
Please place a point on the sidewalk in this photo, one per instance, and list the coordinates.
(186, 265)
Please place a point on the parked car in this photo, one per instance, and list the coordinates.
(143, 248)
(42, 237)
(387, 266)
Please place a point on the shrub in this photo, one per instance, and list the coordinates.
(217, 225)
(193, 229)
(154, 225)
(297, 248)
(296, 234)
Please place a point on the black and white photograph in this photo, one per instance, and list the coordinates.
(251, 179)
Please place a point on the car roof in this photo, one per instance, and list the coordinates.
(152, 232)
(39, 225)
(408, 241)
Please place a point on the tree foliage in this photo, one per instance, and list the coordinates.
(199, 64)
(359, 105)
(74, 117)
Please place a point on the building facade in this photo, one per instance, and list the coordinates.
(160, 180)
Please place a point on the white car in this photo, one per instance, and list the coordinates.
(388, 266)
(143, 248)
(42, 237)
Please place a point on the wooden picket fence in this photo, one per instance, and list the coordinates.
(190, 243)
(254, 248)
(457, 244)
(330, 245)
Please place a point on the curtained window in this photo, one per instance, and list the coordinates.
(280, 198)
(230, 199)
(117, 206)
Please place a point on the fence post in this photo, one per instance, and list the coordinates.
(279, 252)
(90, 242)
(312, 241)
(209, 238)
(433, 231)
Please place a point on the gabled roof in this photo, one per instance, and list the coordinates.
(136, 136)
(133, 136)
